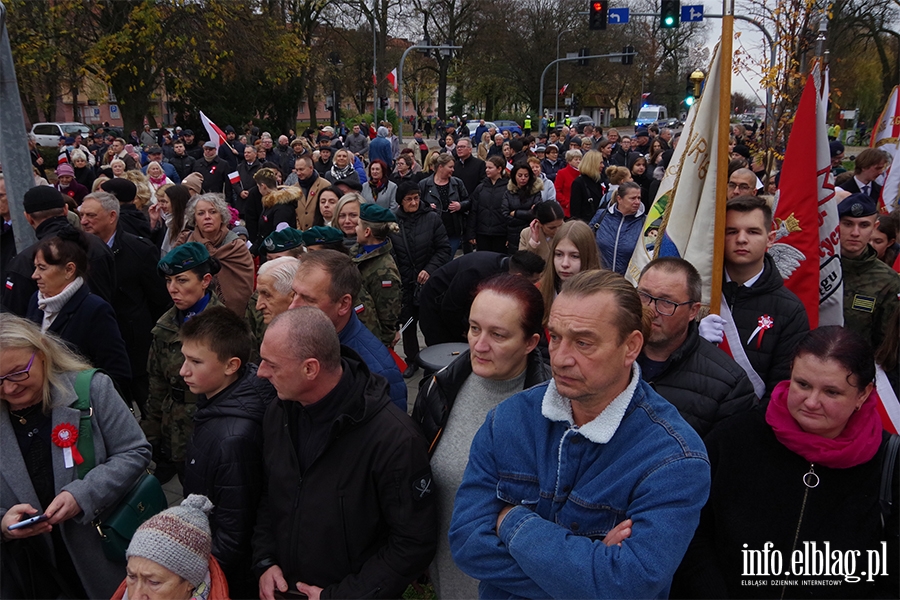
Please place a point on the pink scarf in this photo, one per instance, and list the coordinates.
(857, 443)
(158, 181)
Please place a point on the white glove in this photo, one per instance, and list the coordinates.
(712, 329)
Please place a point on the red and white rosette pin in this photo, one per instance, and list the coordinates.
(765, 322)
(65, 436)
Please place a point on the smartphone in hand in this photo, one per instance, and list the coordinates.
(28, 522)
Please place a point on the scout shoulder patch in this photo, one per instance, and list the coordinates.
(863, 303)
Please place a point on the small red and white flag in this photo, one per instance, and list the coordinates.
(215, 133)
(234, 177)
(645, 95)
(563, 89)
(62, 159)
(392, 79)
(386, 283)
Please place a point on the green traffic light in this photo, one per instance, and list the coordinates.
(670, 21)
(689, 101)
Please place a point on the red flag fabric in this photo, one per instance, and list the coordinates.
(392, 79)
(215, 134)
(234, 177)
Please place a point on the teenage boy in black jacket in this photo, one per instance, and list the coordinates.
(224, 453)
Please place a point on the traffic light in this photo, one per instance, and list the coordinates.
(628, 55)
(582, 62)
(598, 14)
(689, 97)
(670, 14)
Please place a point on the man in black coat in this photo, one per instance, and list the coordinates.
(183, 163)
(232, 151)
(191, 146)
(46, 210)
(768, 320)
(363, 465)
(141, 297)
(869, 165)
(247, 168)
(701, 381)
(446, 297)
(214, 170)
(469, 168)
(130, 217)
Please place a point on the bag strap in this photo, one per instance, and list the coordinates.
(85, 441)
(887, 475)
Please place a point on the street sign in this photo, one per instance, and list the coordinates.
(618, 16)
(692, 14)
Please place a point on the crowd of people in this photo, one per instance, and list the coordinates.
(244, 300)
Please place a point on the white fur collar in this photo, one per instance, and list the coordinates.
(557, 407)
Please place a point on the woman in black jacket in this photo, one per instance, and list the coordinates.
(448, 196)
(487, 222)
(637, 164)
(588, 188)
(523, 194)
(64, 305)
(420, 247)
(504, 330)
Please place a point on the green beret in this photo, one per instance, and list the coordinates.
(183, 258)
(322, 235)
(376, 214)
(281, 241)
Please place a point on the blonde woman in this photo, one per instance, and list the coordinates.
(587, 189)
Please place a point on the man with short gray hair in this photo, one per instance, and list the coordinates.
(140, 298)
(338, 458)
(273, 286)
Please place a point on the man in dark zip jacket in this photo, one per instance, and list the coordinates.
(348, 507)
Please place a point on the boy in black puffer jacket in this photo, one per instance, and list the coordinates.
(224, 453)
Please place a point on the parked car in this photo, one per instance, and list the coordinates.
(579, 121)
(473, 125)
(511, 126)
(48, 134)
(671, 123)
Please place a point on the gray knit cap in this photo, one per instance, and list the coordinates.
(177, 539)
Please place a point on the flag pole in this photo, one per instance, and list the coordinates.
(727, 45)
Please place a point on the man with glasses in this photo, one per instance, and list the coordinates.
(766, 319)
(700, 380)
(742, 183)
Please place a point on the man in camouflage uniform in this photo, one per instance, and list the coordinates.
(171, 405)
(870, 286)
(381, 277)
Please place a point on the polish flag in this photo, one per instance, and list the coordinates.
(234, 177)
(62, 158)
(563, 89)
(886, 136)
(392, 79)
(215, 134)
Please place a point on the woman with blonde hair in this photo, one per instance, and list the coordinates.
(572, 251)
(156, 178)
(118, 167)
(429, 165)
(346, 216)
(565, 177)
(61, 556)
(616, 176)
(587, 189)
(484, 145)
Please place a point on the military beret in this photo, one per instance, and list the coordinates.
(857, 205)
(376, 214)
(122, 189)
(42, 197)
(183, 258)
(281, 241)
(320, 234)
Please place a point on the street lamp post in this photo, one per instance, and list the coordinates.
(422, 46)
(556, 92)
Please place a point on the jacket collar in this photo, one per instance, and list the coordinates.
(557, 407)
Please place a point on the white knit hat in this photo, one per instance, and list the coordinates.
(177, 539)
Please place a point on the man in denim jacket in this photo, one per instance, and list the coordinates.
(590, 485)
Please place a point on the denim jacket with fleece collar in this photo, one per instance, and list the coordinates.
(570, 486)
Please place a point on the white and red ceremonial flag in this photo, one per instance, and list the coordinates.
(212, 130)
(234, 177)
(563, 89)
(886, 136)
(807, 235)
(392, 79)
(681, 221)
(63, 158)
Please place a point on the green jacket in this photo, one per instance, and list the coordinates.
(870, 295)
(381, 279)
(257, 326)
(171, 405)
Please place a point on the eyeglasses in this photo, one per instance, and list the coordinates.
(742, 187)
(19, 376)
(664, 307)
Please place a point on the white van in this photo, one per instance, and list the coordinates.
(650, 114)
(48, 134)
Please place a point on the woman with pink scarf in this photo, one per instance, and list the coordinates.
(798, 485)
(156, 177)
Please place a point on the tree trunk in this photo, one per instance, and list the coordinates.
(311, 102)
(443, 68)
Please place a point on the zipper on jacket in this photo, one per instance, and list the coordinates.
(810, 480)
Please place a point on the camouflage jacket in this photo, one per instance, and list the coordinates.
(381, 279)
(254, 318)
(870, 295)
(171, 405)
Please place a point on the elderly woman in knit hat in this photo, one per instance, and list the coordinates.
(170, 557)
(67, 186)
